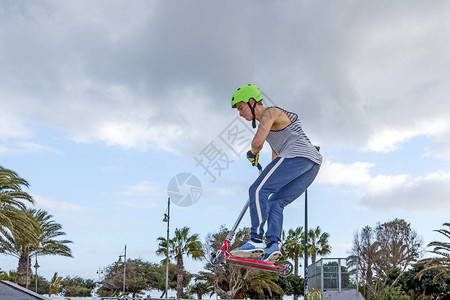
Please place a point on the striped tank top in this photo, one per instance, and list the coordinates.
(292, 141)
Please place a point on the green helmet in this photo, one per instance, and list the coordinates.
(245, 93)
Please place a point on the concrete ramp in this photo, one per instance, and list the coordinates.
(12, 291)
(343, 295)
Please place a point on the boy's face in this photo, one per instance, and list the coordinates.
(244, 110)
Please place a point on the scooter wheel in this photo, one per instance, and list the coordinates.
(286, 270)
(217, 258)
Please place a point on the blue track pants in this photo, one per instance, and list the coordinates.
(281, 182)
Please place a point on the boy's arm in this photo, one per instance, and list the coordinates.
(267, 120)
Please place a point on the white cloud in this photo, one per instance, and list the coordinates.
(20, 147)
(388, 139)
(372, 81)
(52, 205)
(390, 192)
(336, 173)
(383, 184)
(10, 128)
(143, 195)
(136, 203)
(143, 188)
(428, 193)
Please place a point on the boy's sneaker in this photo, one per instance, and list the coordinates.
(250, 249)
(273, 253)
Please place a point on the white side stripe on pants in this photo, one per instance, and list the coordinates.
(258, 207)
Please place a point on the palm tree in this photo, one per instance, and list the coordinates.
(294, 246)
(318, 243)
(11, 198)
(11, 193)
(44, 230)
(181, 244)
(55, 284)
(200, 288)
(261, 285)
(440, 263)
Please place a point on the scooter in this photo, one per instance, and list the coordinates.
(284, 268)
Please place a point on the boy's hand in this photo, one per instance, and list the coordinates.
(253, 157)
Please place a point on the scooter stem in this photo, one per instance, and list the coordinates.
(241, 215)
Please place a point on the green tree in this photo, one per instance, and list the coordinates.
(42, 284)
(46, 231)
(318, 243)
(382, 255)
(12, 200)
(136, 278)
(363, 257)
(10, 276)
(11, 193)
(292, 285)
(55, 284)
(294, 246)
(399, 247)
(158, 277)
(425, 286)
(262, 285)
(200, 288)
(441, 262)
(77, 286)
(140, 276)
(182, 244)
(392, 293)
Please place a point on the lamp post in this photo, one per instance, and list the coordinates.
(306, 247)
(306, 241)
(167, 219)
(124, 269)
(99, 272)
(36, 265)
(28, 263)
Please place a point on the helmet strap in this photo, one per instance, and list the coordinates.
(252, 108)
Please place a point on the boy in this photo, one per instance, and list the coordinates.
(295, 164)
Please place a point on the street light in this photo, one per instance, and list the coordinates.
(124, 269)
(28, 263)
(36, 265)
(306, 247)
(306, 242)
(166, 220)
(99, 272)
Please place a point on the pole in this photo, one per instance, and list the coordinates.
(306, 247)
(167, 250)
(124, 271)
(36, 266)
(28, 263)
(306, 242)
(99, 272)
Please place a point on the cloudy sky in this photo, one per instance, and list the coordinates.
(103, 103)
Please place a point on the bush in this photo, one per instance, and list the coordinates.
(394, 293)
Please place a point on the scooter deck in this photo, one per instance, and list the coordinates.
(254, 263)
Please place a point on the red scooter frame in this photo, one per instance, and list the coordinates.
(284, 268)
